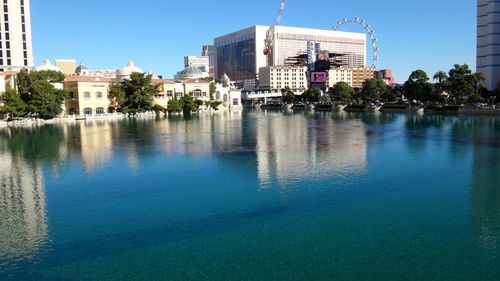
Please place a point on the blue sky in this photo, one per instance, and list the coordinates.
(428, 34)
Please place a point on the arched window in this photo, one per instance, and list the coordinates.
(111, 110)
(72, 111)
(86, 95)
(217, 95)
(99, 95)
(225, 97)
(197, 93)
(87, 111)
(170, 94)
(99, 110)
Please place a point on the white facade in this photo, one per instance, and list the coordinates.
(15, 28)
(488, 41)
(241, 54)
(279, 77)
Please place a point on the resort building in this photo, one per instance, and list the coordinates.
(240, 54)
(201, 62)
(169, 89)
(199, 88)
(7, 81)
(279, 77)
(191, 72)
(126, 71)
(341, 74)
(47, 66)
(386, 76)
(488, 42)
(88, 95)
(16, 50)
(360, 75)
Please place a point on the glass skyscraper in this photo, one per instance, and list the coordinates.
(240, 54)
(488, 41)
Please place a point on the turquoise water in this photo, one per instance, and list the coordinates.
(253, 196)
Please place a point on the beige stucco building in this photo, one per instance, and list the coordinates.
(88, 95)
(200, 89)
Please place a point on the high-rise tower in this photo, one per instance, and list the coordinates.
(488, 41)
(15, 35)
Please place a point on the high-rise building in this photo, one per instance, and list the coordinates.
(15, 30)
(385, 75)
(488, 41)
(285, 76)
(240, 54)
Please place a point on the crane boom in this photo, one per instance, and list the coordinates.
(268, 50)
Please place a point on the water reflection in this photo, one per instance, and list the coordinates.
(479, 136)
(304, 146)
(23, 215)
(274, 148)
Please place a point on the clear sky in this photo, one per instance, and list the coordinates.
(428, 34)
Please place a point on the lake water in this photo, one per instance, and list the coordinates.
(253, 196)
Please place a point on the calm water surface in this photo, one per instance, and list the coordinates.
(253, 196)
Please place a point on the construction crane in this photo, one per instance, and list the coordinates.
(268, 49)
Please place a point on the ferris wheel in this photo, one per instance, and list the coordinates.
(369, 31)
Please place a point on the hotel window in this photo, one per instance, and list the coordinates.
(99, 110)
(86, 95)
(170, 94)
(99, 95)
(87, 111)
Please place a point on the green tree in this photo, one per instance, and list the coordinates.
(417, 87)
(311, 95)
(213, 88)
(116, 95)
(45, 100)
(139, 91)
(189, 104)
(13, 104)
(288, 96)
(441, 79)
(24, 82)
(461, 82)
(47, 75)
(342, 91)
(390, 95)
(372, 90)
(175, 105)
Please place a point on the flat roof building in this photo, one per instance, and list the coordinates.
(15, 28)
(240, 54)
(488, 42)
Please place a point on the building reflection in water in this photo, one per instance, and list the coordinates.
(485, 186)
(96, 144)
(23, 218)
(301, 146)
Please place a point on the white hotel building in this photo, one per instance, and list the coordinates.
(240, 54)
(15, 31)
(488, 41)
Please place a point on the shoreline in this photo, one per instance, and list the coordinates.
(24, 122)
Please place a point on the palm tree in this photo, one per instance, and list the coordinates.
(441, 77)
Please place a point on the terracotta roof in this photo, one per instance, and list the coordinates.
(196, 81)
(94, 79)
(169, 81)
(8, 73)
